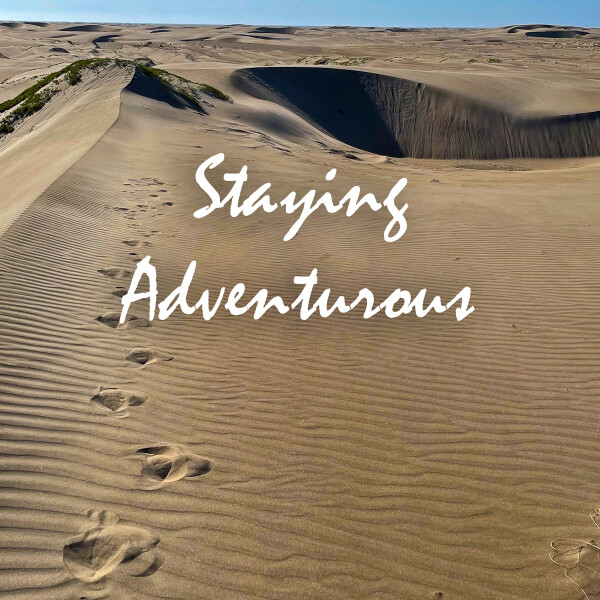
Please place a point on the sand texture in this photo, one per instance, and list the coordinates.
(337, 458)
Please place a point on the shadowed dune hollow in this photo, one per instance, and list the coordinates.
(401, 118)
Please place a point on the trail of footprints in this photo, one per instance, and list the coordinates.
(106, 544)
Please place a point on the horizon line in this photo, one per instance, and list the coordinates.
(345, 25)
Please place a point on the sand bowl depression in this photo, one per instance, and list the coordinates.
(402, 118)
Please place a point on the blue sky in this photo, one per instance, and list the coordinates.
(402, 13)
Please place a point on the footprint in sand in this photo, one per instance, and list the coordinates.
(579, 560)
(106, 545)
(115, 273)
(146, 356)
(118, 400)
(166, 463)
(111, 319)
(119, 291)
(136, 243)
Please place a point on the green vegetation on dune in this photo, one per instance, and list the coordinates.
(164, 77)
(36, 96)
(209, 90)
(29, 106)
(72, 71)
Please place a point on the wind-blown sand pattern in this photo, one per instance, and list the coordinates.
(329, 458)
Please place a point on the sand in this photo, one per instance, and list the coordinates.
(328, 458)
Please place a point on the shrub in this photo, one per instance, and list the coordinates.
(214, 92)
(73, 77)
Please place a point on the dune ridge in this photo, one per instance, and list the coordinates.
(56, 138)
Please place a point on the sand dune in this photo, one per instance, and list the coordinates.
(548, 30)
(275, 30)
(84, 28)
(337, 458)
(557, 33)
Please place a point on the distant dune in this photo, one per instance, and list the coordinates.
(549, 31)
(103, 39)
(557, 33)
(87, 28)
(530, 27)
(275, 30)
